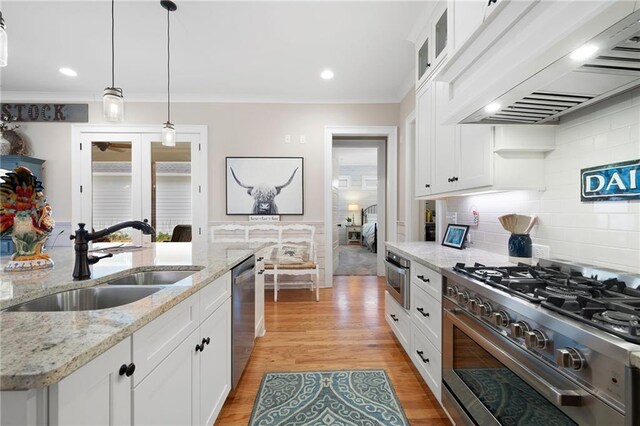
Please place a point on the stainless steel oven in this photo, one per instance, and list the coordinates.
(490, 380)
(398, 277)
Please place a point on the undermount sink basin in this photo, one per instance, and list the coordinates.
(152, 278)
(85, 299)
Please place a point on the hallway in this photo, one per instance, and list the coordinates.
(345, 330)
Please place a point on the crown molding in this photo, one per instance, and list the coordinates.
(17, 96)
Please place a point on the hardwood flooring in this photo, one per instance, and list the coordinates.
(345, 330)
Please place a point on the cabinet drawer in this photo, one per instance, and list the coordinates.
(427, 315)
(155, 341)
(214, 294)
(427, 360)
(427, 279)
(398, 319)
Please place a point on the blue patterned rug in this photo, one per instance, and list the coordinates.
(335, 398)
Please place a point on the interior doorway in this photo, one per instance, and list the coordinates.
(386, 187)
(357, 173)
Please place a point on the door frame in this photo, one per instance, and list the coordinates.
(387, 231)
(80, 171)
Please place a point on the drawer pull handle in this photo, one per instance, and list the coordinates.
(426, 280)
(127, 370)
(425, 360)
(421, 310)
(260, 259)
(393, 317)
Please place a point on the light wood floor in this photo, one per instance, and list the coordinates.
(345, 330)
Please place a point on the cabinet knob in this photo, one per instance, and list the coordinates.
(393, 317)
(491, 2)
(260, 259)
(199, 348)
(449, 180)
(427, 185)
(127, 370)
(455, 178)
(206, 341)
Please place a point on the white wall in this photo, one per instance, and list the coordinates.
(603, 233)
(234, 129)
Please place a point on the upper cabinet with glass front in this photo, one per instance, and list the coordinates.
(433, 43)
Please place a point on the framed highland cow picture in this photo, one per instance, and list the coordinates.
(265, 186)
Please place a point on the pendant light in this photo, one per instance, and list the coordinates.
(3, 43)
(168, 130)
(112, 99)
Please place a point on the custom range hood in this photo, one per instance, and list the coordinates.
(574, 81)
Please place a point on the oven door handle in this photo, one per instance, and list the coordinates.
(563, 398)
(396, 268)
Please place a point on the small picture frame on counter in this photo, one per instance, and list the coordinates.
(455, 236)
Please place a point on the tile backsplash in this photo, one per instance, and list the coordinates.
(603, 233)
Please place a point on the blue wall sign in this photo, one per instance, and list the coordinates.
(611, 182)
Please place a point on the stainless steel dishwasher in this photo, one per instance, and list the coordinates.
(243, 321)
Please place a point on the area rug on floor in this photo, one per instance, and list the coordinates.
(356, 260)
(336, 398)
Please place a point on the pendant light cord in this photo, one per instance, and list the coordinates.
(168, 70)
(113, 44)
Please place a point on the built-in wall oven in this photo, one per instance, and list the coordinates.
(508, 361)
(398, 277)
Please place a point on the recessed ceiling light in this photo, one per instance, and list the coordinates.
(584, 52)
(492, 107)
(68, 72)
(327, 74)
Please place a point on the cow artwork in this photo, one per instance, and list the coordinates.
(264, 195)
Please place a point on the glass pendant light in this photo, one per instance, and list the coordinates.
(168, 130)
(112, 99)
(4, 47)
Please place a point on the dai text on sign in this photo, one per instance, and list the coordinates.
(611, 182)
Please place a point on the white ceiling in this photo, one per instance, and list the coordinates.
(221, 51)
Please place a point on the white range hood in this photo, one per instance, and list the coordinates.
(568, 85)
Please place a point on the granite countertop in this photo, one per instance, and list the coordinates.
(438, 257)
(41, 348)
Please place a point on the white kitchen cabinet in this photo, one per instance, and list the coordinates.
(444, 149)
(426, 325)
(399, 320)
(424, 141)
(467, 18)
(190, 385)
(169, 394)
(214, 376)
(95, 394)
(156, 340)
(469, 158)
(433, 43)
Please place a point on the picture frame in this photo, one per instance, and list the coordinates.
(264, 186)
(455, 235)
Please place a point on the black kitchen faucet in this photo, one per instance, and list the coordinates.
(82, 237)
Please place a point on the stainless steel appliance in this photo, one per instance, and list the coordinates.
(398, 278)
(243, 299)
(549, 344)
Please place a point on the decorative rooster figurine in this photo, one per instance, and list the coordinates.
(26, 216)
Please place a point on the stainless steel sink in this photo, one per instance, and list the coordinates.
(85, 299)
(152, 278)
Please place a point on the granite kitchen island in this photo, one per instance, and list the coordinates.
(38, 350)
